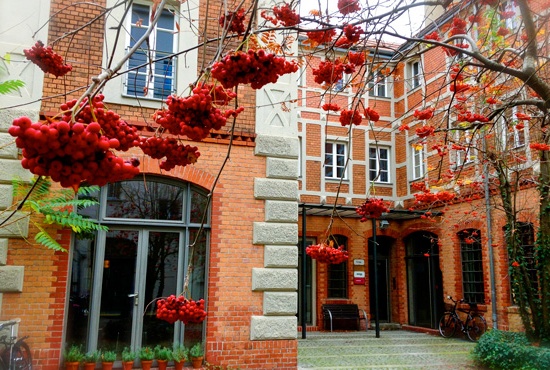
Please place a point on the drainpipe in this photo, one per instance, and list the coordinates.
(375, 258)
(490, 238)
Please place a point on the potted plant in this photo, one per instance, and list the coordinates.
(179, 355)
(196, 353)
(107, 359)
(72, 357)
(146, 356)
(162, 355)
(128, 357)
(90, 359)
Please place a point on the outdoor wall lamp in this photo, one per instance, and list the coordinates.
(384, 224)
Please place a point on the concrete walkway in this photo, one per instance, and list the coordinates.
(395, 349)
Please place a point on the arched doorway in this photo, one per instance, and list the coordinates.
(117, 274)
(424, 279)
(383, 264)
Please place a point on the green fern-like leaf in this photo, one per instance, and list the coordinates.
(46, 240)
(10, 85)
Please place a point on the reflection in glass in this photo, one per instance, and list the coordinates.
(161, 281)
(193, 332)
(150, 200)
(198, 207)
(116, 312)
(80, 290)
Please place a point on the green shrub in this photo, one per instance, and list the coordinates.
(505, 350)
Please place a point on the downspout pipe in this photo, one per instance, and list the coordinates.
(490, 238)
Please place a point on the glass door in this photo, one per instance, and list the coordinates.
(136, 268)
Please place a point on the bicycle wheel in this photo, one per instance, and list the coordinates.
(447, 325)
(21, 358)
(475, 327)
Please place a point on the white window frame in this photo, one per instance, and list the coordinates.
(342, 84)
(335, 155)
(513, 22)
(185, 39)
(467, 156)
(375, 167)
(418, 158)
(378, 82)
(414, 71)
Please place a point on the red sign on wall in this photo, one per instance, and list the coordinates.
(359, 281)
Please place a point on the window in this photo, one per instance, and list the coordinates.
(335, 160)
(512, 132)
(526, 235)
(378, 85)
(342, 83)
(464, 152)
(510, 14)
(338, 274)
(379, 164)
(472, 266)
(144, 84)
(418, 165)
(151, 73)
(414, 72)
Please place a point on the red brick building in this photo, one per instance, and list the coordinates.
(287, 161)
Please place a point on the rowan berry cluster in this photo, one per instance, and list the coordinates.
(284, 15)
(472, 117)
(423, 114)
(371, 114)
(256, 68)
(425, 131)
(111, 124)
(328, 72)
(350, 117)
(179, 308)
(193, 116)
(169, 148)
(372, 208)
(235, 21)
(348, 6)
(327, 254)
(48, 60)
(321, 37)
(70, 153)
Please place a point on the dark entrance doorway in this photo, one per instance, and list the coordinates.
(383, 267)
(424, 279)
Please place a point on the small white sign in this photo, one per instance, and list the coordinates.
(358, 274)
(357, 262)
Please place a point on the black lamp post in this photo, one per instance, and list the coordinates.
(375, 258)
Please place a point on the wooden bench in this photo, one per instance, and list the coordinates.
(343, 316)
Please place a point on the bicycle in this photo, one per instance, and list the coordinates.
(15, 354)
(474, 325)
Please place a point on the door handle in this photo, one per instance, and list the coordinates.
(135, 296)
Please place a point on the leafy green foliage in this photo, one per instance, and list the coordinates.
(508, 350)
(58, 207)
(10, 85)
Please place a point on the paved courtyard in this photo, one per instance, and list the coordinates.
(396, 349)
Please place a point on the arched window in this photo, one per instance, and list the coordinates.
(117, 275)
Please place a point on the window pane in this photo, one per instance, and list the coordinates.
(166, 20)
(140, 13)
(165, 42)
(138, 200)
(198, 206)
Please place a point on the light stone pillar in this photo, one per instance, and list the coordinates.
(17, 29)
(277, 141)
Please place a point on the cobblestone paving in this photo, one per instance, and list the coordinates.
(393, 350)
